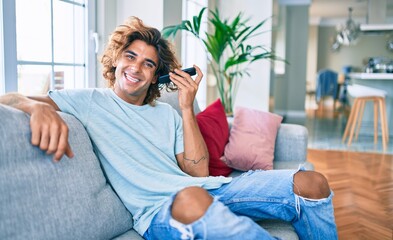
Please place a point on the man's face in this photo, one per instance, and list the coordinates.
(135, 70)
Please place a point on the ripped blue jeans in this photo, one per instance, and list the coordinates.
(254, 195)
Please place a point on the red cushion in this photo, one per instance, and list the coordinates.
(215, 130)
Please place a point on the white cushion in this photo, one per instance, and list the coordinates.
(356, 90)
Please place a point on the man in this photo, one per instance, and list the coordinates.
(157, 162)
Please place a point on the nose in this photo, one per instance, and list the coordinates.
(136, 66)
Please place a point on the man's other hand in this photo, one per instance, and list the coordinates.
(49, 131)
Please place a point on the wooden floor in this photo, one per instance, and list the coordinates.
(363, 188)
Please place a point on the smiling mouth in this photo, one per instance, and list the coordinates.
(131, 79)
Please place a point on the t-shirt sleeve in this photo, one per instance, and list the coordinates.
(73, 101)
(179, 144)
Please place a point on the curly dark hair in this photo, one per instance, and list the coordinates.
(134, 29)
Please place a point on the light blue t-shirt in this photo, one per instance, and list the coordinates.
(136, 146)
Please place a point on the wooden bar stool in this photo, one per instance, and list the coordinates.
(361, 95)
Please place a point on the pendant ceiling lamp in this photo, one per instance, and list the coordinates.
(349, 32)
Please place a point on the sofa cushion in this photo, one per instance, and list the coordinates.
(279, 229)
(41, 199)
(171, 97)
(214, 127)
(252, 139)
(129, 235)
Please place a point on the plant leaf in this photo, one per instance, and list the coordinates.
(197, 20)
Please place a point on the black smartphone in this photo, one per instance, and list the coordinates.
(165, 78)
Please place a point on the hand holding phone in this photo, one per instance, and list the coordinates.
(165, 78)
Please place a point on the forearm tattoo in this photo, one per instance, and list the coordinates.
(194, 161)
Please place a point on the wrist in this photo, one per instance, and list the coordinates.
(33, 106)
(187, 111)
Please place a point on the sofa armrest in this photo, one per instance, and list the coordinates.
(291, 143)
(41, 199)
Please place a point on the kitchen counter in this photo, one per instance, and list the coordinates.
(379, 81)
(369, 76)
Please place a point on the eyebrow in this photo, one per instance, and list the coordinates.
(147, 59)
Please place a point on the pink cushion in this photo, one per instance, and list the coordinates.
(214, 127)
(252, 139)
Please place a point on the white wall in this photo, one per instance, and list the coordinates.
(312, 57)
(173, 16)
(150, 11)
(111, 13)
(278, 36)
(106, 23)
(2, 78)
(193, 51)
(253, 91)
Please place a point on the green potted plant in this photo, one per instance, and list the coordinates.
(228, 53)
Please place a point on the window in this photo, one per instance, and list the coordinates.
(47, 45)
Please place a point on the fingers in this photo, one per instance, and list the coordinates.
(187, 87)
(69, 153)
(181, 79)
(50, 134)
(199, 77)
(184, 79)
(64, 148)
(51, 142)
(60, 145)
(35, 137)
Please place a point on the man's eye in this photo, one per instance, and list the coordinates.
(149, 65)
(130, 56)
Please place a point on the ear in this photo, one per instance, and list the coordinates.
(155, 78)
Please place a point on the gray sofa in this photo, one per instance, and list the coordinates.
(40, 199)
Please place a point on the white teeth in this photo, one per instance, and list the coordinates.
(131, 79)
